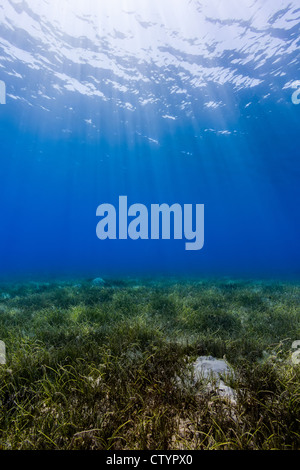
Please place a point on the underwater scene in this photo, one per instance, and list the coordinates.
(149, 236)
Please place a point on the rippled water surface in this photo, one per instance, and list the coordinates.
(165, 101)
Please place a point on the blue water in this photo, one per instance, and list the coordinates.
(164, 101)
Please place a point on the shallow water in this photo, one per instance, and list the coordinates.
(182, 102)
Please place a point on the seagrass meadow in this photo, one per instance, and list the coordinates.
(92, 366)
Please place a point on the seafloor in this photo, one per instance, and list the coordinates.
(107, 364)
